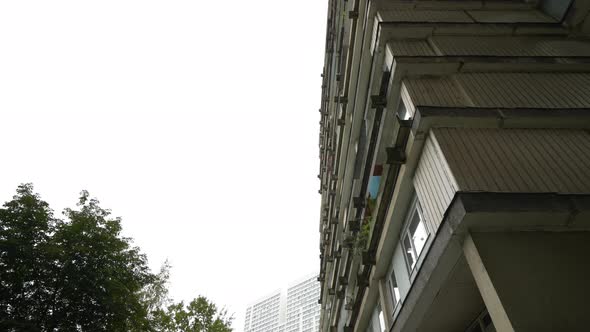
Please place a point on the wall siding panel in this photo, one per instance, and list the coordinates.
(517, 160)
(434, 183)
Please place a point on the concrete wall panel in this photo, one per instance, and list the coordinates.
(527, 90)
(517, 160)
(435, 91)
(503, 90)
(536, 281)
(510, 46)
(512, 16)
(411, 48)
(451, 16)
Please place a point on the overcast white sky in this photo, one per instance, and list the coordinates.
(195, 121)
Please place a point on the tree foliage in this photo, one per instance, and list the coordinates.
(81, 274)
(166, 316)
(26, 255)
(198, 315)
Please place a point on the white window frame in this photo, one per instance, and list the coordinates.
(393, 290)
(415, 207)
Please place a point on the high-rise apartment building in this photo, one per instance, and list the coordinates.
(303, 309)
(455, 166)
(295, 309)
(266, 314)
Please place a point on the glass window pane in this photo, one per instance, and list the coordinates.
(391, 293)
(419, 238)
(402, 111)
(393, 289)
(418, 232)
(410, 256)
(414, 222)
(381, 321)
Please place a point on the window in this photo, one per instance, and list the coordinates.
(483, 323)
(393, 290)
(402, 111)
(486, 321)
(381, 319)
(414, 236)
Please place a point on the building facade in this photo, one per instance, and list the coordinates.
(455, 166)
(266, 314)
(295, 309)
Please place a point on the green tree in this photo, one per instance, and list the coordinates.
(155, 295)
(26, 256)
(200, 315)
(100, 275)
(81, 274)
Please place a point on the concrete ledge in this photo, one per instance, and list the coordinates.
(495, 212)
(483, 117)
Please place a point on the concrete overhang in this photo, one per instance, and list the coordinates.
(427, 117)
(453, 5)
(447, 65)
(444, 296)
(422, 30)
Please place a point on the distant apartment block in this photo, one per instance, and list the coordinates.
(294, 309)
(303, 310)
(265, 315)
(454, 169)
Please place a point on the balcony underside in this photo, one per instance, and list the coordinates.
(445, 296)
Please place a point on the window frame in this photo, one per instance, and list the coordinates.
(394, 296)
(402, 110)
(415, 207)
(381, 318)
(480, 323)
